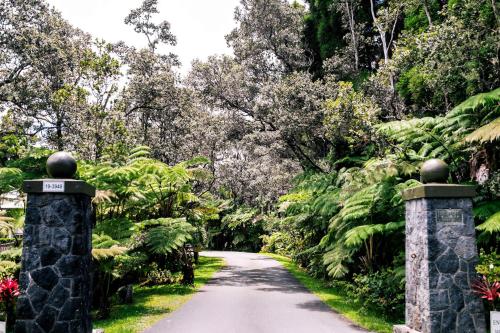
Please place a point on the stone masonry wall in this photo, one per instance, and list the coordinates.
(55, 276)
(441, 256)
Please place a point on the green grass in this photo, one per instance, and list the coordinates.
(336, 299)
(153, 303)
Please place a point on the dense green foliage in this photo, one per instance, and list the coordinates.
(310, 130)
(351, 221)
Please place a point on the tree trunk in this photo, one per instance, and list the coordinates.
(196, 257)
(104, 305)
(187, 269)
(495, 12)
(352, 27)
(383, 37)
(59, 135)
(427, 13)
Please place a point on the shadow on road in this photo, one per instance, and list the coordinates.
(314, 306)
(269, 279)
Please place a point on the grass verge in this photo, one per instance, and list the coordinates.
(336, 299)
(153, 303)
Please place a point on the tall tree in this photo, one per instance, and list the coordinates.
(39, 56)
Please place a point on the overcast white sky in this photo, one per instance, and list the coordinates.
(199, 25)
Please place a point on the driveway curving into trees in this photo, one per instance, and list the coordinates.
(253, 294)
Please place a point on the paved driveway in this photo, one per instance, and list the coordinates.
(253, 294)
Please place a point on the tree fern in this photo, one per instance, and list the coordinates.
(356, 207)
(10, 179)
(241, 216)
(104, 247)
(335, 259)
(486, 133)
(491, 225)
(6, 224)
(102, 196)
(139, 153)
(120, 229)
(356, 236)
(477, 110)
(168, 234)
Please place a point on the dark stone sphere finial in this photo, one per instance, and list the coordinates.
(61, 165)
(434, 171)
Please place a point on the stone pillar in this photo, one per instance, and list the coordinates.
(57, 245)
(441, 255)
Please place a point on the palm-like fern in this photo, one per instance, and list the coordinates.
(6, 224)
(491, 225)
(356, 236)
(487, 133)
(143, 187)
(120, 229)
(164, 235)
(104, 247)
(10, 179)
(489, 213)
(474, 117)
(416, 138)
(358, 221)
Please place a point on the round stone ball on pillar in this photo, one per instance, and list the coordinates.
(61, 165)
(434, 171)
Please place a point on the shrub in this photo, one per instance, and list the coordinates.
(11, 255)
(383, 290)
(9, 269)
(7, 240)
(132, 264)
(489, 266)
(9, 291)
(158, 276)
(278, 242)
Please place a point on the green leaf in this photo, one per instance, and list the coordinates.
(356, 236)
(491, 225)
(170, 235)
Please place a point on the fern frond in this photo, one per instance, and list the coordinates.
(10, 179)
(335, 260)
(119, 229)
(108, 253)
(104, 247)
(491, 225)
(356, 236)
(169, 236)
(484, 210)
(139, 153)
(102, 196)
(486, 133)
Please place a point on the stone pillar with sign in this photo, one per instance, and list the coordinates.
(55, 267)
(441, 255)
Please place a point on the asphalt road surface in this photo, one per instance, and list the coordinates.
(253, 294)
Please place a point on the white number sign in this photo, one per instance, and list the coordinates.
(53, 186)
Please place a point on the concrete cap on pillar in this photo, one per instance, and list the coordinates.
(434, 176)
(61, 165)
